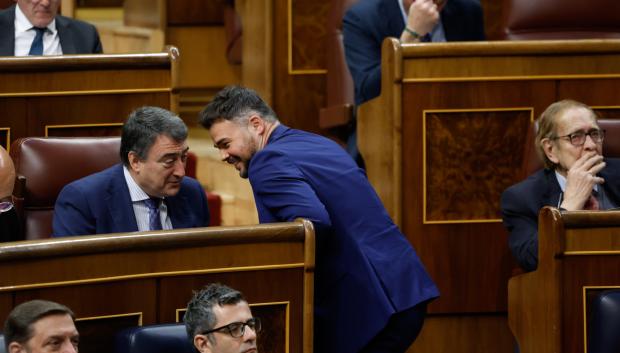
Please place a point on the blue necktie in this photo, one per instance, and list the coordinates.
(154, 216)
(37, 43)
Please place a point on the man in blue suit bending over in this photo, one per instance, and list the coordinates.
(371, 289)
(148, 191)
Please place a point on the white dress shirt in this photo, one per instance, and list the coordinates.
(140, 210)
(25, 33)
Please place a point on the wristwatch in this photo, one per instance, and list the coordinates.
(5, 206)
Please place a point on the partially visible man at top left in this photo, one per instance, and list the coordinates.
(34, 27)
(147, 191)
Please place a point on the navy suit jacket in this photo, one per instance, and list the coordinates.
(76, 37)
(368, 22)
(100, 203)
(366, 269)
(522, 202)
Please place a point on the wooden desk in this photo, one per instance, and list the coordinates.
(81, 95)
(446, 137)
(132, 279)
(579, 256)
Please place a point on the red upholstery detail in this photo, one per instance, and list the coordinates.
(45, 165)
(562, 19)
(214, 200)
(339, 83)
(611, 145)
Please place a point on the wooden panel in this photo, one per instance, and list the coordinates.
(36, 93)
(84, 130)
(144, 13)
(470, 161)
(569, 274)
(308, 31)
(472, 277)
(195, 12)
(153, 274)
(493, 18)
(204, 63)
(297, 95)
(286, 283)
(461, 334)
(95, 332)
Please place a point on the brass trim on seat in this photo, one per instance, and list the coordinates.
(509, 78)
(138, 314)
(149, 275)
(85, 92)
(51, 127)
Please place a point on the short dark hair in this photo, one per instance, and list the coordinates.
(199, 316)
(143, 127)
(18, 325)
(548, 123)
(235, 103)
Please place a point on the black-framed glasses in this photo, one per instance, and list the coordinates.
(579, 138)
(237, 329)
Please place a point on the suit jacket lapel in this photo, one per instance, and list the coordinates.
(65, 35)
(177, 210)
(611, 186)
(7, 35)
(553, 192)
(119, 203)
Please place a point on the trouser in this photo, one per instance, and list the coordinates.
(400, 331)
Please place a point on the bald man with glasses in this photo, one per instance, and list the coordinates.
(576, 176)
(219, 320)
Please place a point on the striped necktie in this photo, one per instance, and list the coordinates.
(154, 215)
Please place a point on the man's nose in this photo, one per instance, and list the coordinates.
(589, 144)
(179, 168)
(224, 155)
(249, 334)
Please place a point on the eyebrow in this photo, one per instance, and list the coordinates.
(174, 154)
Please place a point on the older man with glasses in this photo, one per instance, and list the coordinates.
(576, 176)
(219, 320)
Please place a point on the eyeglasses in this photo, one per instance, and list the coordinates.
(579, 138)
(237, 329)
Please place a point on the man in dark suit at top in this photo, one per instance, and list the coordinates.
(148, 191)
(371, 288)
(575, 177)
(368, 22)
(33, 27)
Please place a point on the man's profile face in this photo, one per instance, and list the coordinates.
(39, 12)
(561, 151)
(221, 341)
(160, 174)
(52, 333)
(236, 143)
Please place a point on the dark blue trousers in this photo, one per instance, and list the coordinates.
(400, 332)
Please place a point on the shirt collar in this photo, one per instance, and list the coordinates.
(22, 24)
(402, 10)
(135, 191)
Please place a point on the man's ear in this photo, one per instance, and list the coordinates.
(202, 344)
(550, 150)
(15, 347)
(257, 123)
(135, 164)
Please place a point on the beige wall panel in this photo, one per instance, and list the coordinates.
(204, 57)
